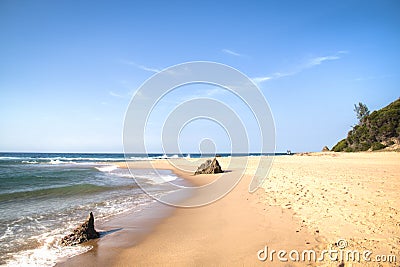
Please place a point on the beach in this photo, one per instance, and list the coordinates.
(199, 133)
(350, 196)
(309, 201)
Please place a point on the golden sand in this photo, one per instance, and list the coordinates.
(309, 201)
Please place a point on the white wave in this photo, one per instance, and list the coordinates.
(47, 254)
(168, 178)
(66, 159)
(165, 156)
(30, 161)
(156, 178)
(61, 159)
(108, 168)
(8, 233)
(56, 161)
(50, 251)
(8, 158)
(91, 159)
(141, 158)
(82, 159)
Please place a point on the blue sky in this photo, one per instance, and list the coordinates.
(68, 69)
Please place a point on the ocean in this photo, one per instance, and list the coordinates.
(44, 196)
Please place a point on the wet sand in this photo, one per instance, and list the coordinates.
(308, 202)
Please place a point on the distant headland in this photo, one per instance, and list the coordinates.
(375, 131)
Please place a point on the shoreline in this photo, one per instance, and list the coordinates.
(122, 230)
(231, 230)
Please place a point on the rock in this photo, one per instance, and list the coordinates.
(325, 149)
(209, 167)
(81, 234)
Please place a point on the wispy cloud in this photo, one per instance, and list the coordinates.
(112, 93)
(155, 70)
(122, 94)
(276, 75)
(233, 53)
(312, 62)
(142, 67)
(258, 80)
(319, 60)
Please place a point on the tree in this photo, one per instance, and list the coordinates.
(374, 131)
(362, 111)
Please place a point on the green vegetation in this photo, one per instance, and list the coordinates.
(375, 131)
(341, 146)
(377, 146)
(362, 111)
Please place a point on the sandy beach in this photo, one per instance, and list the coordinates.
(110, 108)
(309, 201)
(351, 196)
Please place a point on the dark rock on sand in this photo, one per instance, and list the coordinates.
(325, 149)
(209, 167)
(81, 234)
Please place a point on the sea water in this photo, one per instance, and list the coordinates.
(44, 196)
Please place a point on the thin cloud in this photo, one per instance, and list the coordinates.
(112, 93)
(307, 65)
(258, 80)
(319, 60)
(276, 75)
(155, 70)
(142, 67)
(233, 53)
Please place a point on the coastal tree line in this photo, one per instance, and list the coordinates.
(374, 131)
